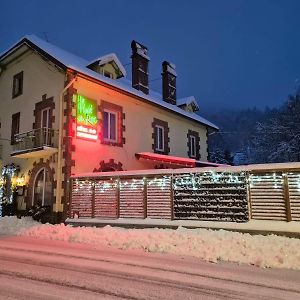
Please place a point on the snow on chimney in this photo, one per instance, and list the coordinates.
(140, 62)
(169, 82)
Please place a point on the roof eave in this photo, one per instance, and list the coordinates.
(34, 47)
(142, 99)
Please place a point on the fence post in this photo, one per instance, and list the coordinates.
(118, 197)
(287, 197)
(172, 197)
(69, 209)
(145, 197)
(93, 198)
(248, 188)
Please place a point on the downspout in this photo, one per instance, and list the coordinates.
(60, 142)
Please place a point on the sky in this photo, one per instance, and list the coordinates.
(232, 54)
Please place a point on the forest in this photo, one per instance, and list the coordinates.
(257, 136)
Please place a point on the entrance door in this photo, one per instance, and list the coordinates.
(42, 188)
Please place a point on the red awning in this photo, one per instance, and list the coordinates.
(174, 160)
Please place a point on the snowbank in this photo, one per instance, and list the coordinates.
(12, 225)
(263, 251)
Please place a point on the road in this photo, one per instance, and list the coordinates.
(43, 269)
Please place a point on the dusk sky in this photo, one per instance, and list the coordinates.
(228, 54)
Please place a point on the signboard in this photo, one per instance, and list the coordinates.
(86, 117)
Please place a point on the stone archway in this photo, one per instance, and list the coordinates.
(110, 166)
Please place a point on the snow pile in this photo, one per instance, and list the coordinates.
(12, 225)
(209, 245)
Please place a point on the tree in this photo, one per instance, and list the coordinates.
(278, 138)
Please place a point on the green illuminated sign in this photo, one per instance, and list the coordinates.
(86, 111)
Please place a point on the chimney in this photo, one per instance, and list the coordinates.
(169, 82)
(140, 61)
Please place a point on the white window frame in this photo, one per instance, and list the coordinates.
(193, 148)
(47, 109)
(158, 142)
(109, 139)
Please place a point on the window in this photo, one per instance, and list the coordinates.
(15, 126)
(193, 143)
(17, 85)
(159, 138)
(42, 188)
(45, 118)
(107, 74)
(192, 146)
(110, 126)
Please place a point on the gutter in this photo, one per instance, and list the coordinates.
(60, 142)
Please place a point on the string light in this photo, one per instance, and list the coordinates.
(8, 178)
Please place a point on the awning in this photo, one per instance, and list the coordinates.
(173, 160)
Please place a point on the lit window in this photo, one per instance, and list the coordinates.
(159, 138)
(110, 126)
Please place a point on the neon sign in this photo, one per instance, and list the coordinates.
(86, 118)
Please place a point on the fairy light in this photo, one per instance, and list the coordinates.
(8, 177)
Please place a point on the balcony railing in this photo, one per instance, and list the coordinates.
(36, 139)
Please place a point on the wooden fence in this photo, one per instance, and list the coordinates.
(275, 196)
(229, 194)
(122, 198)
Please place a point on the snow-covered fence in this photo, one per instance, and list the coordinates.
(275, 195)
(236, 194)
(116, 197)
(199, 196)
(212, 196)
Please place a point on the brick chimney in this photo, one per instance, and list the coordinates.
(169, 82)
(140, 62)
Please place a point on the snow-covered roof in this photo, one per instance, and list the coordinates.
(102, 60)
(78, 64)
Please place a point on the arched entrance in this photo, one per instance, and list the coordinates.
(42, 188)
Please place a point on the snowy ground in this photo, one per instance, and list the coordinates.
(209, 245)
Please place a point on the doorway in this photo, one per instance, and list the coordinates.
(42, 188)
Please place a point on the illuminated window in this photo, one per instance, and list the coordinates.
(110, 126)
(17, 85)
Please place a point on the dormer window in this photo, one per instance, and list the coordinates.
(107, 74)
(108, 66)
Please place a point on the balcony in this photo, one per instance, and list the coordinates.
(36, 143)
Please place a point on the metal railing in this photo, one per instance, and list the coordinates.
(36, 138)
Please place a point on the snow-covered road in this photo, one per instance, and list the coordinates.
(46, 269)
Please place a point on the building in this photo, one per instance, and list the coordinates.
(63, 115)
